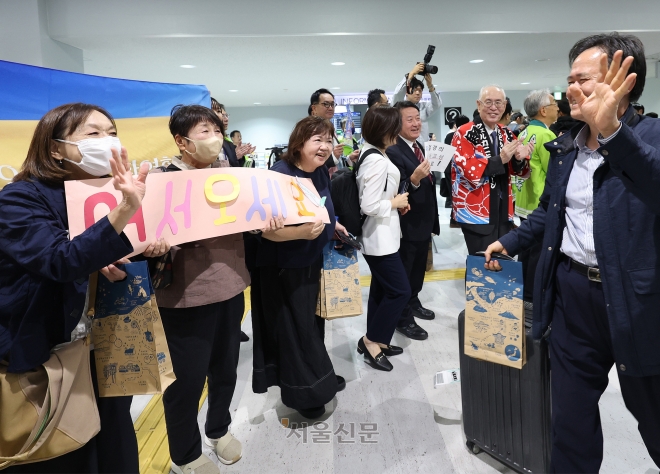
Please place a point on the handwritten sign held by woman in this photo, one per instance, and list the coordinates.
(194, 205)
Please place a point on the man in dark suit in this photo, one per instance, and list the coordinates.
(418, 224)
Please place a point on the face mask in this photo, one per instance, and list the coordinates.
(207, 150)
(96, 154)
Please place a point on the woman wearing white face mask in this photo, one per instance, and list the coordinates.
(43, 281)
(202, 311)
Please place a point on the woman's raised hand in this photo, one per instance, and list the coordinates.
(132, 188)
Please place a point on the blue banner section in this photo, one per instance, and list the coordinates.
(28, 92)
(338, 259)
(122, 297)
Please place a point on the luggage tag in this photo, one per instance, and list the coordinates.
(447, 377)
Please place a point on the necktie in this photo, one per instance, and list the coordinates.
(420, 157)
(496, 143)
(496, 150)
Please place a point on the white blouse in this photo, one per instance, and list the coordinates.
(381, 232)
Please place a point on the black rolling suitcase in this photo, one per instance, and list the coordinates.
(506, 411)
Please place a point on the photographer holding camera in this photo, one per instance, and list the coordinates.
(411, 88)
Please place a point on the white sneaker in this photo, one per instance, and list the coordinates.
(228, 448)
(202, 465)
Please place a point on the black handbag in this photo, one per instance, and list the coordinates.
(160, 270)
(445, 192)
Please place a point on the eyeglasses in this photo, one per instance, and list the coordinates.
(328, 105)
(224, 114)
(553, 104)
(489, 103)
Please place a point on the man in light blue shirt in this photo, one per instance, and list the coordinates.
(598, 277)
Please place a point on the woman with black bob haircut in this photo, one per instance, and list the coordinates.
(44, 274)
(378, 187)
(289, 351)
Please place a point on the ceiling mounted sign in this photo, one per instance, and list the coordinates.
(357, 99)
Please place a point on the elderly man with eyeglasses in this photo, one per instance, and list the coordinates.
(487, 154)
(542, 108)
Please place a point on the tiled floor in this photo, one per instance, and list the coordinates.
(418, 427)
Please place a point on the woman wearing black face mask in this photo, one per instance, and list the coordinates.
(43, 276)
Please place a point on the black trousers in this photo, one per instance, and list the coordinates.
(529, 259)
(204, 341)
(581, 357)
(480, 240)
(113, 450)
(446, 177)
(413, 256)
(388, 296)
(289, 351)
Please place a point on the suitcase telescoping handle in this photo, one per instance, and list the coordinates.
(498, 256)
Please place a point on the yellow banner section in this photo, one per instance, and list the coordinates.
(145, 139)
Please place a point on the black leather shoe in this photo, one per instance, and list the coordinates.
(244, 337)
(413, 331)
(379, 362)
(423, 313)
(341, 383)
(312, 413)
(390, 351)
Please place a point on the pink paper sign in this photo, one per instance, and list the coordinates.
(186, 206)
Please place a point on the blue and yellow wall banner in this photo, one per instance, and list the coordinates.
(141, 110)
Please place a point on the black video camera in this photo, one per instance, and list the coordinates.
(428, 68)
(275, 154)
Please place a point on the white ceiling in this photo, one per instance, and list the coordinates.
(279, 52)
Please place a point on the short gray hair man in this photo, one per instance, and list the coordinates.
(535, 101)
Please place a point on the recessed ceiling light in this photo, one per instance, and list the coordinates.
(233, 90)
(187, 66)
(524, 83)
(335, 88)
(257, 103)
(338, 63)
(476, 61)
(541, 60)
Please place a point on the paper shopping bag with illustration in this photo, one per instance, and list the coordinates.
(130, 348)
(494, 313)
(340, 294)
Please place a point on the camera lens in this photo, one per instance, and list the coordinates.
(429, 69)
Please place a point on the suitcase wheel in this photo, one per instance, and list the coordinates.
(473, 447)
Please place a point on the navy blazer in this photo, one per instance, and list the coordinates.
(626, 236)
(230, 152)
(421, 221)
(43, 274)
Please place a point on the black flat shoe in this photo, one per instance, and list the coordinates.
(423, 313)
(413, 331)
(244, 337)
(341, 383)
(390, 351)
(379, 362)
(312, 413)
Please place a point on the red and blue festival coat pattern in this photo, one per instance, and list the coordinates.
(470, 187)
